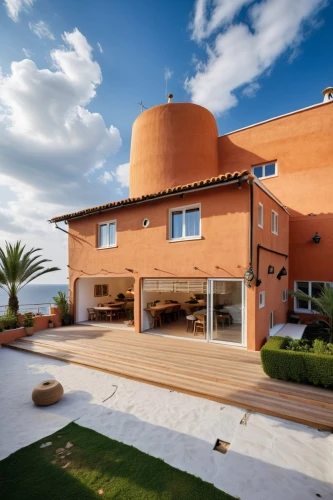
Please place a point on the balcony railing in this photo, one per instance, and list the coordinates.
(41, 308)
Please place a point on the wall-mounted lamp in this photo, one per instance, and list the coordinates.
(316, 238)
(129, 270)
(270, 269)
(249, 276)
(282, 272)
(258, 282)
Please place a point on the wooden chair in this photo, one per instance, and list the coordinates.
(167, 314)
(156, 316)
(190, 322)
(176, 311)
(200, 325)
(91, 313)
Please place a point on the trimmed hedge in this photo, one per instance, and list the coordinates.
(303, 367)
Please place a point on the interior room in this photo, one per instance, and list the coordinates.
(105, 301)
(179, 309)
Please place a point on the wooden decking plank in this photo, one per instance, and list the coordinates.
(270, 405)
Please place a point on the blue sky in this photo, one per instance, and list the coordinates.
(245, 60)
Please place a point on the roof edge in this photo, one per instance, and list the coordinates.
(219, 180)
(276, 118)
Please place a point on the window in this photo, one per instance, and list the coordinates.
(261, 215)
(261, 300)
(284, 295)
(185, 223)
(274, 223)
(264, 171)
(271, 320)
(311, 288)
(107, 234)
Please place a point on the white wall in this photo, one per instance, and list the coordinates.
(85, 293)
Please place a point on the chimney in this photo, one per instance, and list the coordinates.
(170, 96)
(328, 94)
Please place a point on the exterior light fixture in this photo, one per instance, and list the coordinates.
(316, 238)
(258, 282)
(249, 276)
(270, 269)
(282, 272)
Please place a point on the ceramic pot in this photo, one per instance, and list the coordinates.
(47, 393)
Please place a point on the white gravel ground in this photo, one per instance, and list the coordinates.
(268, 459)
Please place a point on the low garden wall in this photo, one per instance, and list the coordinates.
(304, 367)
(40, 323)
(11, 335)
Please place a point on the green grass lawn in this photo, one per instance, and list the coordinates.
(96, 467)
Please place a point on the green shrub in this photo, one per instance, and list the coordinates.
(28, 320)
(1, 328)
(298, 366)
(8, 320)
(318, 346)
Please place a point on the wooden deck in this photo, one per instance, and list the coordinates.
(225, 374)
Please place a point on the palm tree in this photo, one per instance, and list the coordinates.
(323, 304)
(18, 268)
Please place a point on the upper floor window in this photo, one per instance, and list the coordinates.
(275, 225)
(284, 295)
(261, 215)
(264, 171)
(107, 234)
(185, 223)
(261, 300)
(311, 288)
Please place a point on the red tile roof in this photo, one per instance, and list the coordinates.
(213, 181)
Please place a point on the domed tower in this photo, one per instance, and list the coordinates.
(172, 144)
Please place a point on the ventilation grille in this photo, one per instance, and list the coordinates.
(169, 285)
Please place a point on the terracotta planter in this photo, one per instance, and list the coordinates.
(29, 330)
(47, 393)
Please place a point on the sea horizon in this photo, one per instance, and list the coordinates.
(34, 294)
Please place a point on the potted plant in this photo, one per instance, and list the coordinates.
(28, 323)
(120, 297)
(50, 323)
(62, 302)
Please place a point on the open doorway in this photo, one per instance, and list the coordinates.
(172, 307)
(105, 302)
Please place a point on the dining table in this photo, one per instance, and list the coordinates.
(111, 307)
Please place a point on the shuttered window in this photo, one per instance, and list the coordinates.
(166, 285)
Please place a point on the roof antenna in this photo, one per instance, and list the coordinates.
(142, 106)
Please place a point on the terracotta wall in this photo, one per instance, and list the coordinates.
(269, 283)
(303, 147)
(224, 243)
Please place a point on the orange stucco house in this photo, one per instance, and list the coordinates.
(218, 228)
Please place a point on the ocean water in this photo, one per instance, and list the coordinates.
(33, 294)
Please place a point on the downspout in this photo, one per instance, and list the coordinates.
(250, 181)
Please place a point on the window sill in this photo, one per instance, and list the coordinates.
(307, 311)
(267, 177)
(276, 234)
(261, 227)
(107, 248)
(189, 238)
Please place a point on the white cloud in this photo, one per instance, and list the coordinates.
(100, 47)
(241, 52)
(28, 53)
(251, 89)
(51, 145)
(122, 174)
(106, 177)
(14, 7)
(42, 30)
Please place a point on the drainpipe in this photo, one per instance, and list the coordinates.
(250, 182)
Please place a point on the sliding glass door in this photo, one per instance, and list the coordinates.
(226, 311)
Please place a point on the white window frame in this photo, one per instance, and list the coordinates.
(263, 165)
(310, 309)
(183, 209)
(107, 222)
(271, 320)
(275, 217)
(284, 295)
(260, 215)
(261, 299)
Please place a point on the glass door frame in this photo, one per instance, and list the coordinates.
(210, 295)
